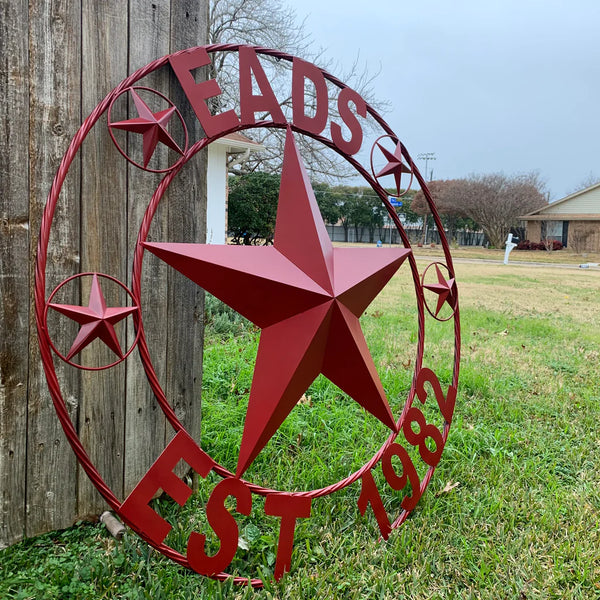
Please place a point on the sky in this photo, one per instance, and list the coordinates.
(486, 85)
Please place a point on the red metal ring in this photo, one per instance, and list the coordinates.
(425, 299)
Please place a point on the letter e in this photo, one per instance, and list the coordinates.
(183, 64)
(135, 509)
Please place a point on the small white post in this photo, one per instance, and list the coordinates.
(509, 246)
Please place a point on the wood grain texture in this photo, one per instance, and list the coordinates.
(54, 106)
(187, 223)
(58, 61)
(145, 422)
(14, 275)
(105, 30)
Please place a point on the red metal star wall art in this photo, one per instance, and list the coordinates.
(307, 297)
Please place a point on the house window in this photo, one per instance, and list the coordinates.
(552, 230)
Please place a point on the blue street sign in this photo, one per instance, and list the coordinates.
(394, 201)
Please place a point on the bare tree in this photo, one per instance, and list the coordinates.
(588, 181)
(493, 201)
(260, 22)
(579, 235)
(271, 24)
(496, 200)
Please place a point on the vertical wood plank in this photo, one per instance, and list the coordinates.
(187, 222)
(14, 253)
(104, 243)
(54, 45)
(144, 421)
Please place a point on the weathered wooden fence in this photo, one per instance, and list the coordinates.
(59, 59)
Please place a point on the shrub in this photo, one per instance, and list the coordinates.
(221, 320)
(528, 245)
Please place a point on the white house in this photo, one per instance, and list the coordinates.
(234, 147)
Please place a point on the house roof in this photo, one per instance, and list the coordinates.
(581, 205)
(236, 142)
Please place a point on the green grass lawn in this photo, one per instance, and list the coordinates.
(511, 512)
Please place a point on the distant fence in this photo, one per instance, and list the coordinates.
(59, 61)
(389, 235)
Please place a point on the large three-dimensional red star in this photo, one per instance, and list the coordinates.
(307, 297)
(96, 320)
(152, 126)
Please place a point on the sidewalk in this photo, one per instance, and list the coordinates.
(517, 263)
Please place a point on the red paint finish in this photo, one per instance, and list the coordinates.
(160, 476)
(152, 126)
(289, 508)
(223, 524)
(307, 296)
(184, 64)
(444, 288)
(265, 102)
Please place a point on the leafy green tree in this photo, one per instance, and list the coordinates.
(253, 207)
(359, 208)
(328, 203)
(333, 203)
(406, 212)
(367, 211)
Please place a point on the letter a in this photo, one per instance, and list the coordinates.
(249, 103)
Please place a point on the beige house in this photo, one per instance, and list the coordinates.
(574, 221)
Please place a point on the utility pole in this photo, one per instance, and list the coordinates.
(426, 156)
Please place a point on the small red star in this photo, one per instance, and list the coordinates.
(395, 164)
(153, 126)
(444, 289)
(96, 320)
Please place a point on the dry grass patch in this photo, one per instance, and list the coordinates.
(530, 291)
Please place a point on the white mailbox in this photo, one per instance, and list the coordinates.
(509, 246)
